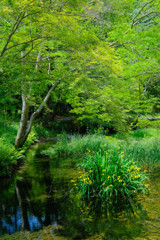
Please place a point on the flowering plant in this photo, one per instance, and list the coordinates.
(110, 177)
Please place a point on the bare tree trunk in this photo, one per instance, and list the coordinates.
(26, 123)
(21, 134)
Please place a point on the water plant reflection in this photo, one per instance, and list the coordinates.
(44, 186)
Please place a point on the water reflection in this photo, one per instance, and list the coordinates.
(40, 196)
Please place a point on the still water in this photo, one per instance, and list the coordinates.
(38, 204)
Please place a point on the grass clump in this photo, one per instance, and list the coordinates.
(76, 145)
(144, 151)
(112, 178)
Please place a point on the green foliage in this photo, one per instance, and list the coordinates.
(6, 157)
(76, 146)
(68, 51)
(104, 55)
(43, 132)
(9, 156)
(145, 133)
(141, 146)
(145, 152)
(110, 177)
(32, 138)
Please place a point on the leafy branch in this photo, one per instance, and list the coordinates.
(13, 30)
(136, 20)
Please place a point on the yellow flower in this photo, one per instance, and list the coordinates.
(110, 185)
(137, 176)
(146, 185)
(91, 171)
(104, 170)
(108, 177)
(132, 167)
(103, 184)
(128, 170)
(138, 169)
(145, 170)
(124, 184)
(120, 180)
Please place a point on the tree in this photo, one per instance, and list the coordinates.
(136, 40)
(48, 46)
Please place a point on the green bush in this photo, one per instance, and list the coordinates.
(110, 177)
(8, 154)
(8, 157)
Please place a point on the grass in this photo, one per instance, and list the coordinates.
(141, 146)
(110, 177)
(78, 145)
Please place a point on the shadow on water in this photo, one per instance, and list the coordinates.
(40, 196)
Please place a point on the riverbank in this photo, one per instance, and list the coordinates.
(142, 145)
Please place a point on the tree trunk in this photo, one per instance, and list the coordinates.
(26, 123)
(21, 134)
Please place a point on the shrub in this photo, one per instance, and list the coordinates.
(110, 177)
(8, 157)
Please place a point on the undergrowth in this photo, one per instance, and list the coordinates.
(144, 150)
(8, 154)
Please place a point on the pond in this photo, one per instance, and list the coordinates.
(38, 204)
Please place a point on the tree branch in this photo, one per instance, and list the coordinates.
(133, 21)
(13, 30)
(37, 112)
(18, 44)
(137, 75)
(139, 19)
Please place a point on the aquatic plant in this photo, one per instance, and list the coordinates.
(110, 177)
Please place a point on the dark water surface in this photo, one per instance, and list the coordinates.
(40, 198)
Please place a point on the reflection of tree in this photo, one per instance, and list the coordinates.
(23, 206)
(8, 206)
(43, 193)
(45, 183)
